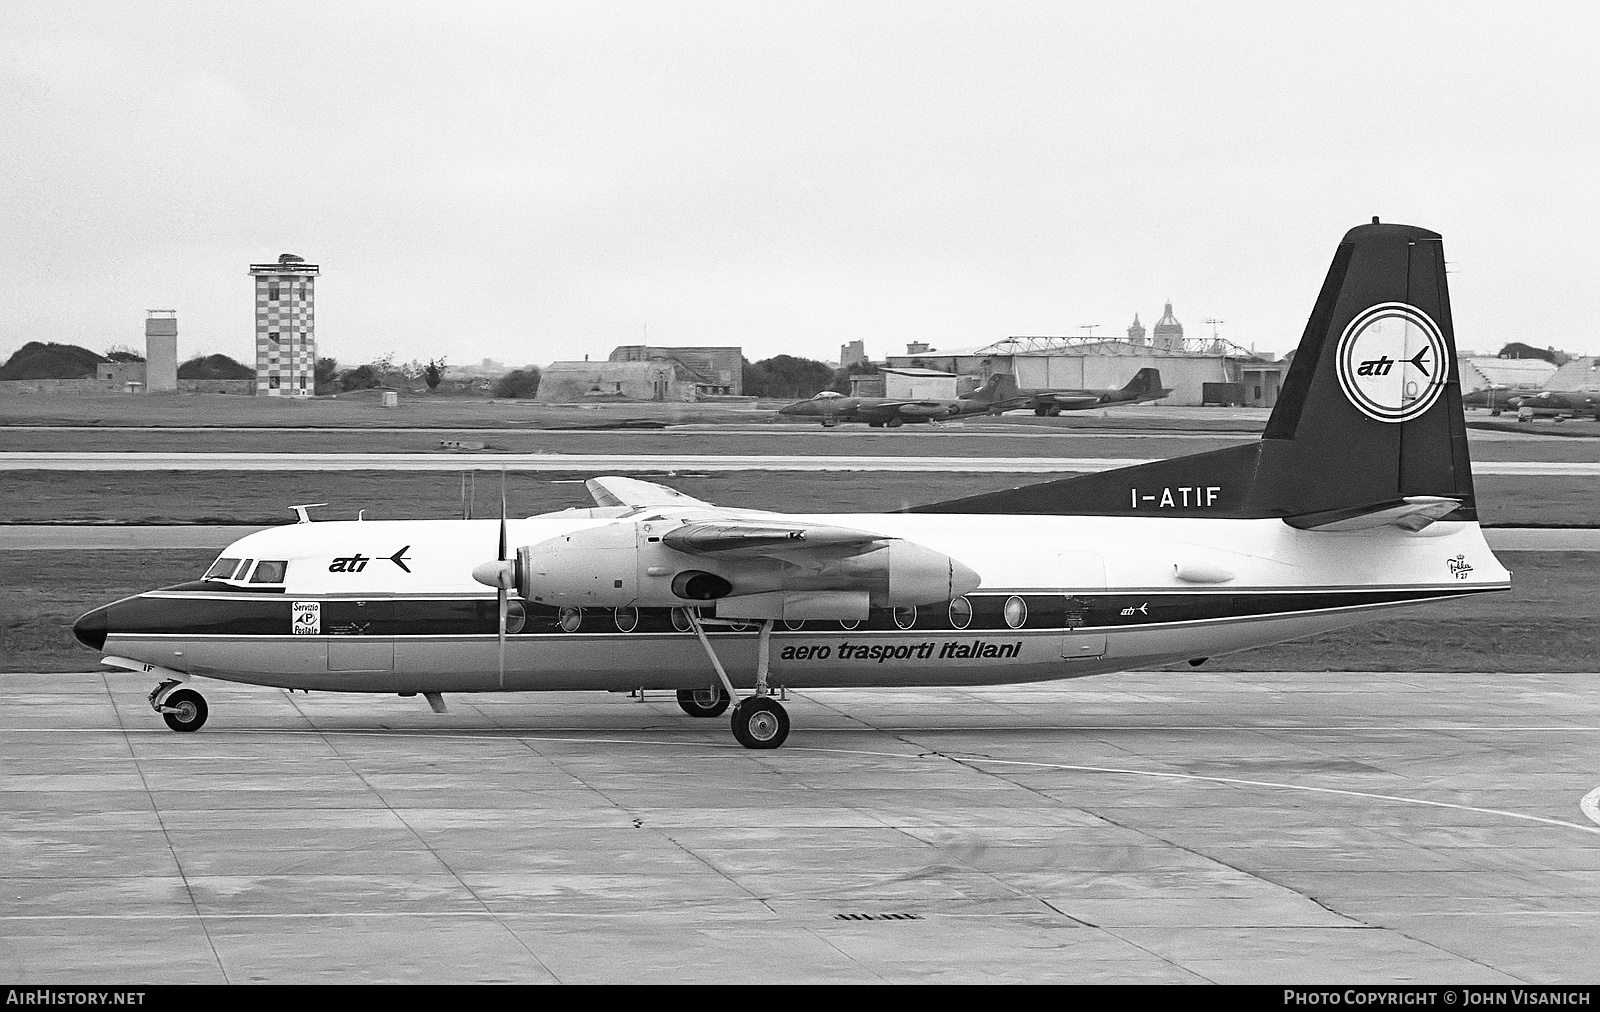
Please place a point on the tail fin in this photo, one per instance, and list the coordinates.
(1368, 418)
(1000, 387)
(1144, 380)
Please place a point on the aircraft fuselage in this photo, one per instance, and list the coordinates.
(391, 606)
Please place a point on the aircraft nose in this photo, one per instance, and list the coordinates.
(792, 409)
(90, 630)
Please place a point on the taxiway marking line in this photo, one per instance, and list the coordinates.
(636, 463)
(1590, 806)
(970, 760)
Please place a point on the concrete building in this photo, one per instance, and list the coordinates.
(652, 380)
(161, 351)
(1483, 372)
(286, 333)
(851, 354)
(717, 371)
(918, 384)
(1578, 374)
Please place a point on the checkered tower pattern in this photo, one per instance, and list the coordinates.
(286, 336)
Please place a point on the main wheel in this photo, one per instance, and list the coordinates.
(760, 722)
(707, 702)
(190, 710)
(1040, 411)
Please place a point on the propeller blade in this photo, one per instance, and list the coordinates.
(505, 571)
(501, 595)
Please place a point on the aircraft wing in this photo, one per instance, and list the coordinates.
(1069, 401)
(617, 491)
(928, 409)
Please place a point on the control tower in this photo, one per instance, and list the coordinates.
(286, 333)
(160, 351)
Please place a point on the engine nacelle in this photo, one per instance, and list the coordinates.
(627, 565)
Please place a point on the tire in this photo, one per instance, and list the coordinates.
(710, 701)
(1039, 411)
(760, 722)
(191, 706)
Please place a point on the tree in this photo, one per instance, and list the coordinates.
(433, 372)
(214, 367)
(362, 377)
(123, 353)
(519, 384)
(786, 376)
(326, 374)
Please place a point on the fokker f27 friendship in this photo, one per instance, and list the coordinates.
(1358, 498)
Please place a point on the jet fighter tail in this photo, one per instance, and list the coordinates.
(999, 387)
(1368, 420)
(1144, 381)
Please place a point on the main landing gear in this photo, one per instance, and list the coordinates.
(759, 721)
(710, 701)
(182, 709)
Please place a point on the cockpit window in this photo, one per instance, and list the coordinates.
(269, 571)
(222, 569)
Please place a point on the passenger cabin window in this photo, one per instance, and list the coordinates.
(269, 571)
(222, 569)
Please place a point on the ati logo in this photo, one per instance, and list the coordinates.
(1459, 568)
(1392, 362)
(358, 562)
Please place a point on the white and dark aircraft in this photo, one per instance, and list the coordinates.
(998, 394)
(1357, 499)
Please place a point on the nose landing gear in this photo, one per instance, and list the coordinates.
(182, 709)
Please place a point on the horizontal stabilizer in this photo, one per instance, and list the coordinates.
(1412, 513)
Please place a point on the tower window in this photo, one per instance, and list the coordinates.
(272, 292)
(272, 381)
(272, 335)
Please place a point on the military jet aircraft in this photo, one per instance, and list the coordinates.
(998, 394)
(1145, 386)
(1357, 499)
(1560, 403)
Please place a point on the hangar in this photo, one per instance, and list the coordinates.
(1187, 364)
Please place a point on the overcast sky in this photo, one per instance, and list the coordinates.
(532, 182)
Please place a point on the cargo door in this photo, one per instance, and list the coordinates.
(360, 635)
(1082, 577)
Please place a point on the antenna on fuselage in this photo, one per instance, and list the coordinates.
(300, 511)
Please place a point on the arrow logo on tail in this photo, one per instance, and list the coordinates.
(399, 558)
(1417, 361)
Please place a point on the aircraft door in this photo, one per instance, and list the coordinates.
(360, 635)
(1083, 577)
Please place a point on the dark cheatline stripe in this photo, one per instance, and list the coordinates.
(242, 615)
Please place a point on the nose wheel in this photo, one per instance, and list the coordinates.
(182, 709)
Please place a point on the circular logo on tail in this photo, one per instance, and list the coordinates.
(1393, 362)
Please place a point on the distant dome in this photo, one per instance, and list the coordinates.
(1168, 332)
